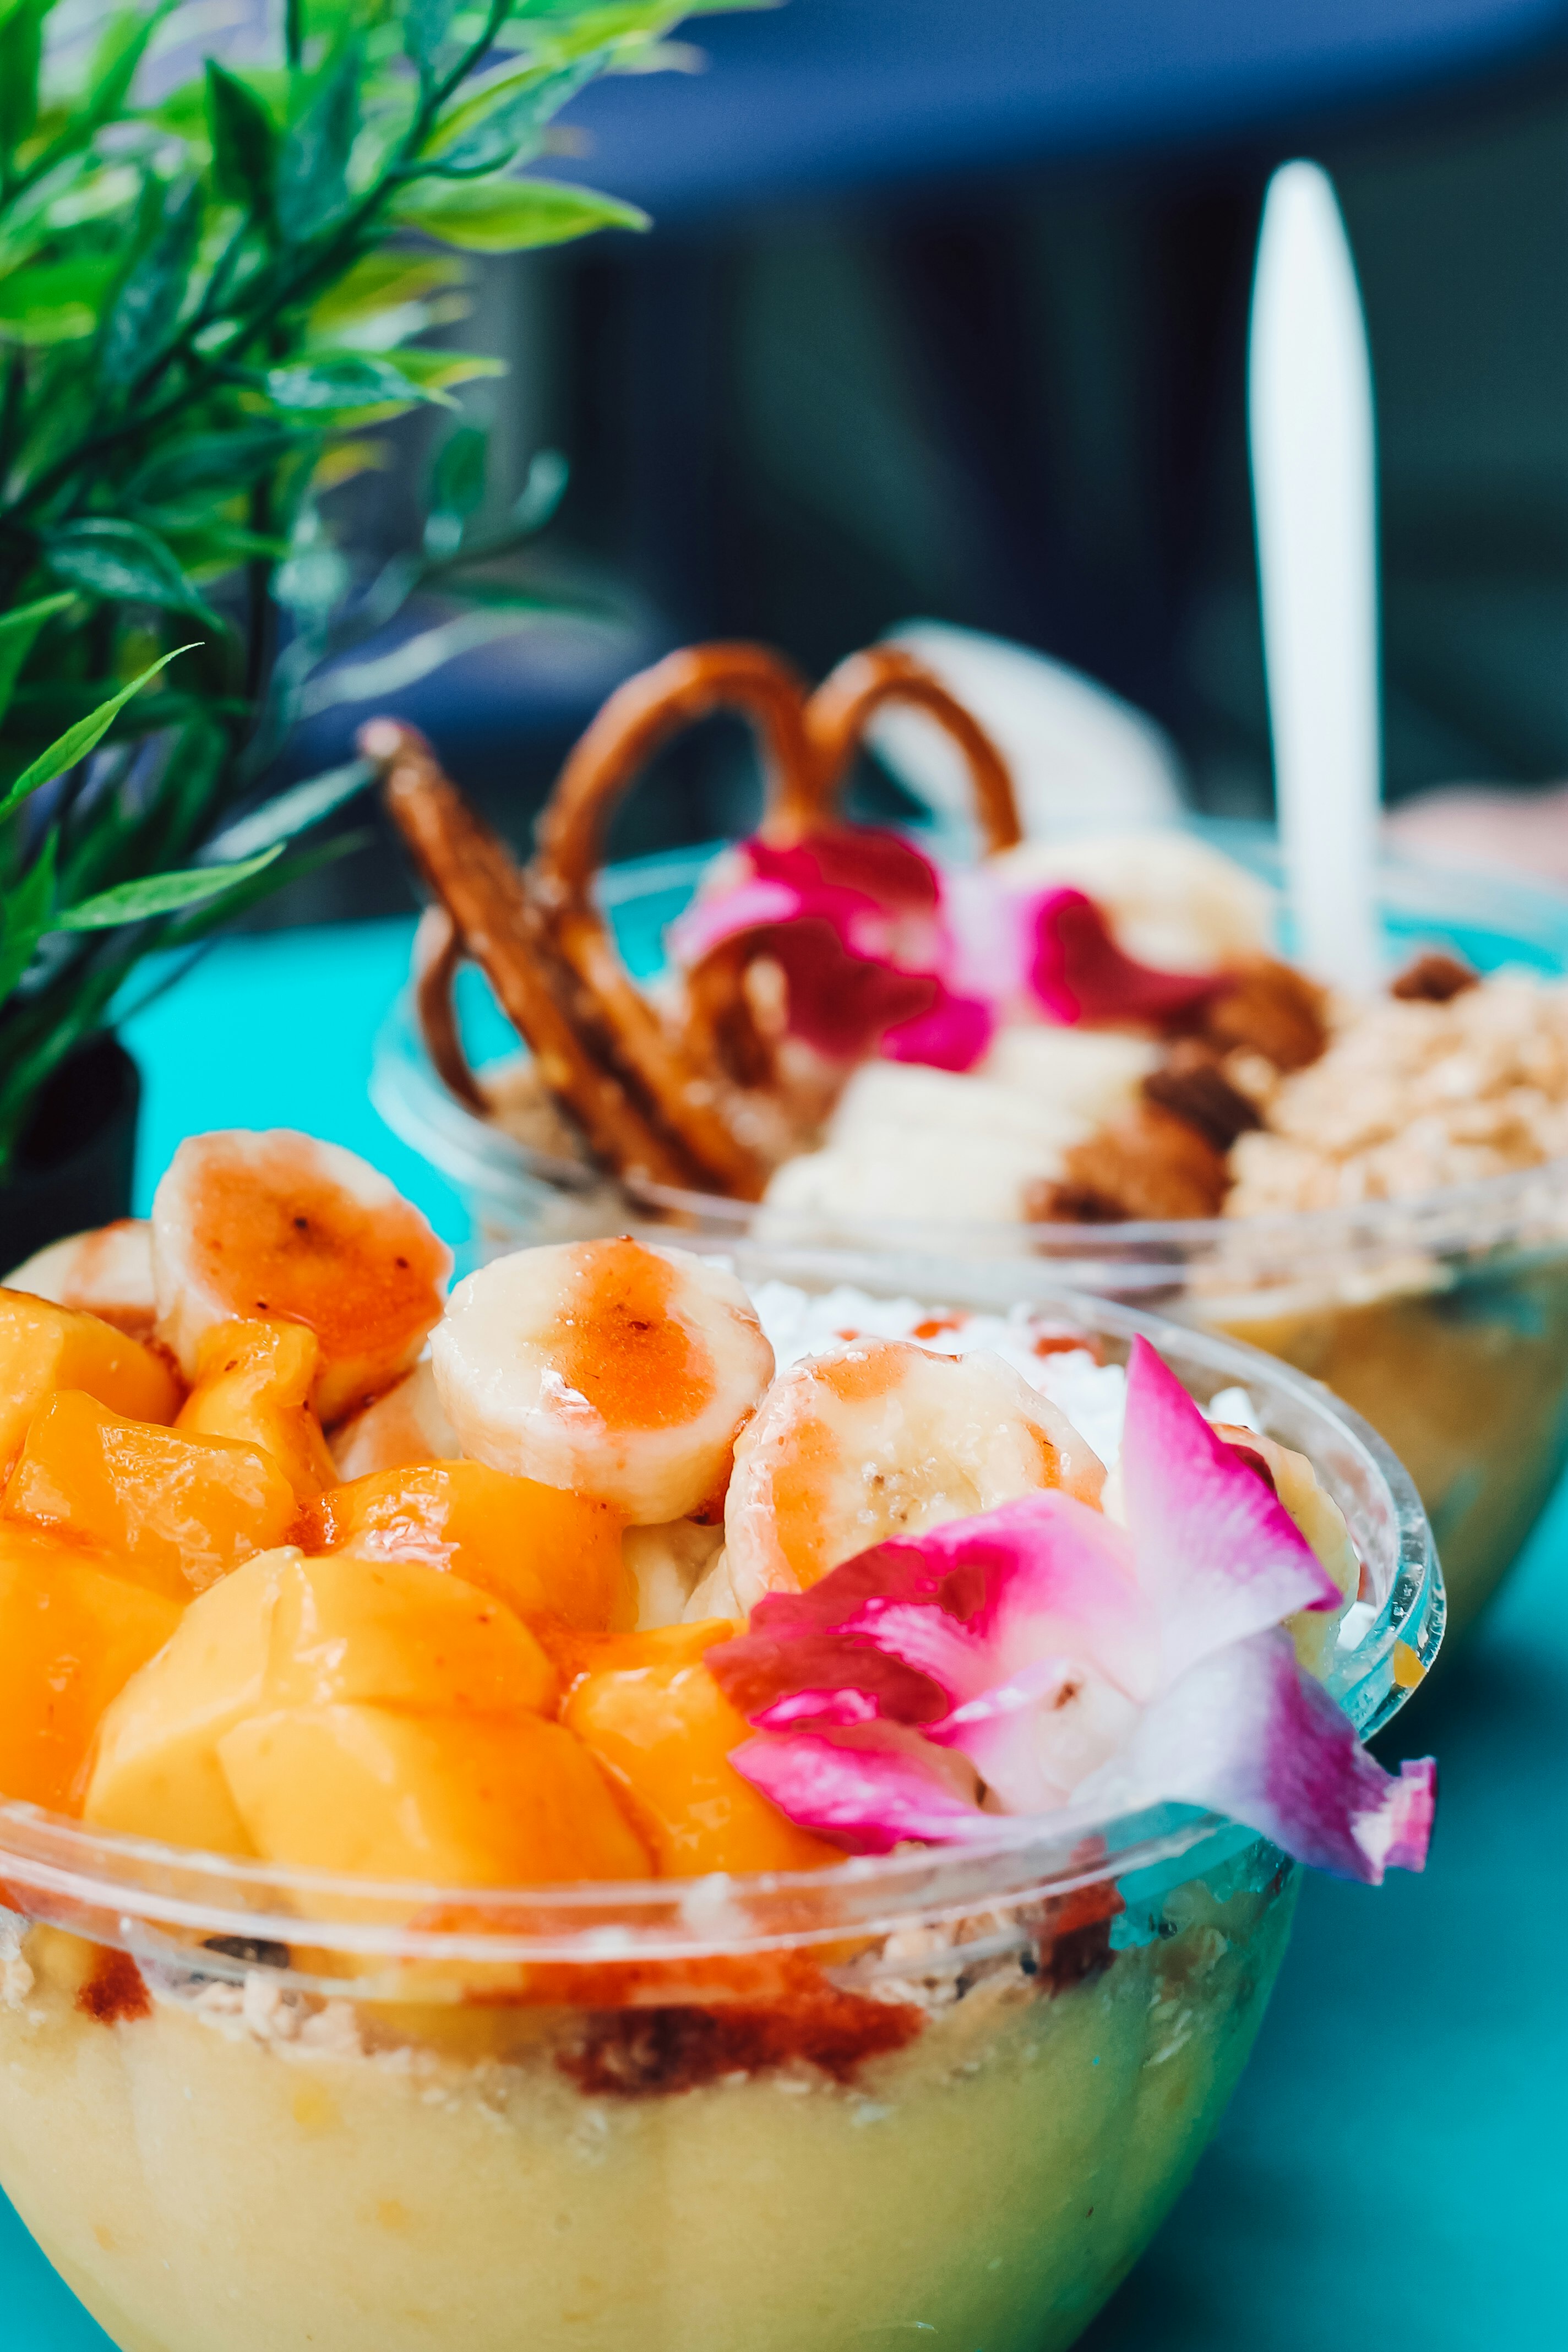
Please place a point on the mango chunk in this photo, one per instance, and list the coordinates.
(72, 1634)
(285, 1631)
(662, 1729)
(544, 1552)
(156, 1772)
(443, 1799)
(44, 1348)
(392, 1632)
(183, 1510)
(254, 1382)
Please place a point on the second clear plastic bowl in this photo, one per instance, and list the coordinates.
(1443, 1318)
(933, 2094)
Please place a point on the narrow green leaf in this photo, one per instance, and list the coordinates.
(510, 215)
(244, 140)
(160, 894)
(344, 381)
(18, 631)
(84, 737)
(121, 46)
(27, 910)
(500, 116)
(313, 161)
(574, 28)
(199, 925)
(438, 370)
(21, 55)
(457, 487)
(379, 282)
(293, 811)
(148, 305)
(122, 561)
(216, 461)
(49, 302)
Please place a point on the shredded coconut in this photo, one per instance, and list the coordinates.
(16, 1975)
(1410, 1097)
(1091, 1394)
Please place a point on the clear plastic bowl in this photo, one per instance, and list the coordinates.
(945, 2093)
(1443, 1317)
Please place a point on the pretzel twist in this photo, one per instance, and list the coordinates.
(721, 1021)
(645, 712)
(839, 712)
(685, 1105)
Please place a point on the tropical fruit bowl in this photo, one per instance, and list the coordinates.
(794, 2104)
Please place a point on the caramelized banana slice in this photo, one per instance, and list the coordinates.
(880, 1439)
(621, 1371)
(281, 1227)
(107, 1271)
(404, 1427)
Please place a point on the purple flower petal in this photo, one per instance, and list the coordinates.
(868, 1791)
(1079, 973)
(1218, 1554)
(1245, 1733)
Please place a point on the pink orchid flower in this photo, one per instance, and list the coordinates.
(853, 916)
(1039, 1659)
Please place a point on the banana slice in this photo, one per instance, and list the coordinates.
(882, 1438)
(107, 1271)
(666, 1565)
(402, 1428)
(620, 1371)
(282, 1227)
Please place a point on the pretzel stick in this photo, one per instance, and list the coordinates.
(437, 954)
(837, 718)
(694, 1103)
(472, 874)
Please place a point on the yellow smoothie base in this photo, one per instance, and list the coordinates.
(233, 2173)
(1468, 1384)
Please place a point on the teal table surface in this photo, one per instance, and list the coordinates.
(1394, 2168)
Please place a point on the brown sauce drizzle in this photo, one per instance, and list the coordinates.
(114, 1993)
(635, 2053)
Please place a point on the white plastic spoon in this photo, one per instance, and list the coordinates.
(1315, 502)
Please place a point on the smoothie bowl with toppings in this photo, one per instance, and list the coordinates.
(694, 1813)
(1087, 1052)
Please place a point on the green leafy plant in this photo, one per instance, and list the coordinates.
(210, 298)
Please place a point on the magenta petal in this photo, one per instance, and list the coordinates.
(929, 1622)
(865, 1792)
(801, 1645)
(834, 1707)
(953, 1036)
(1218, 1554)
(867, 858)
(1079, 973)
(1248, 1733)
